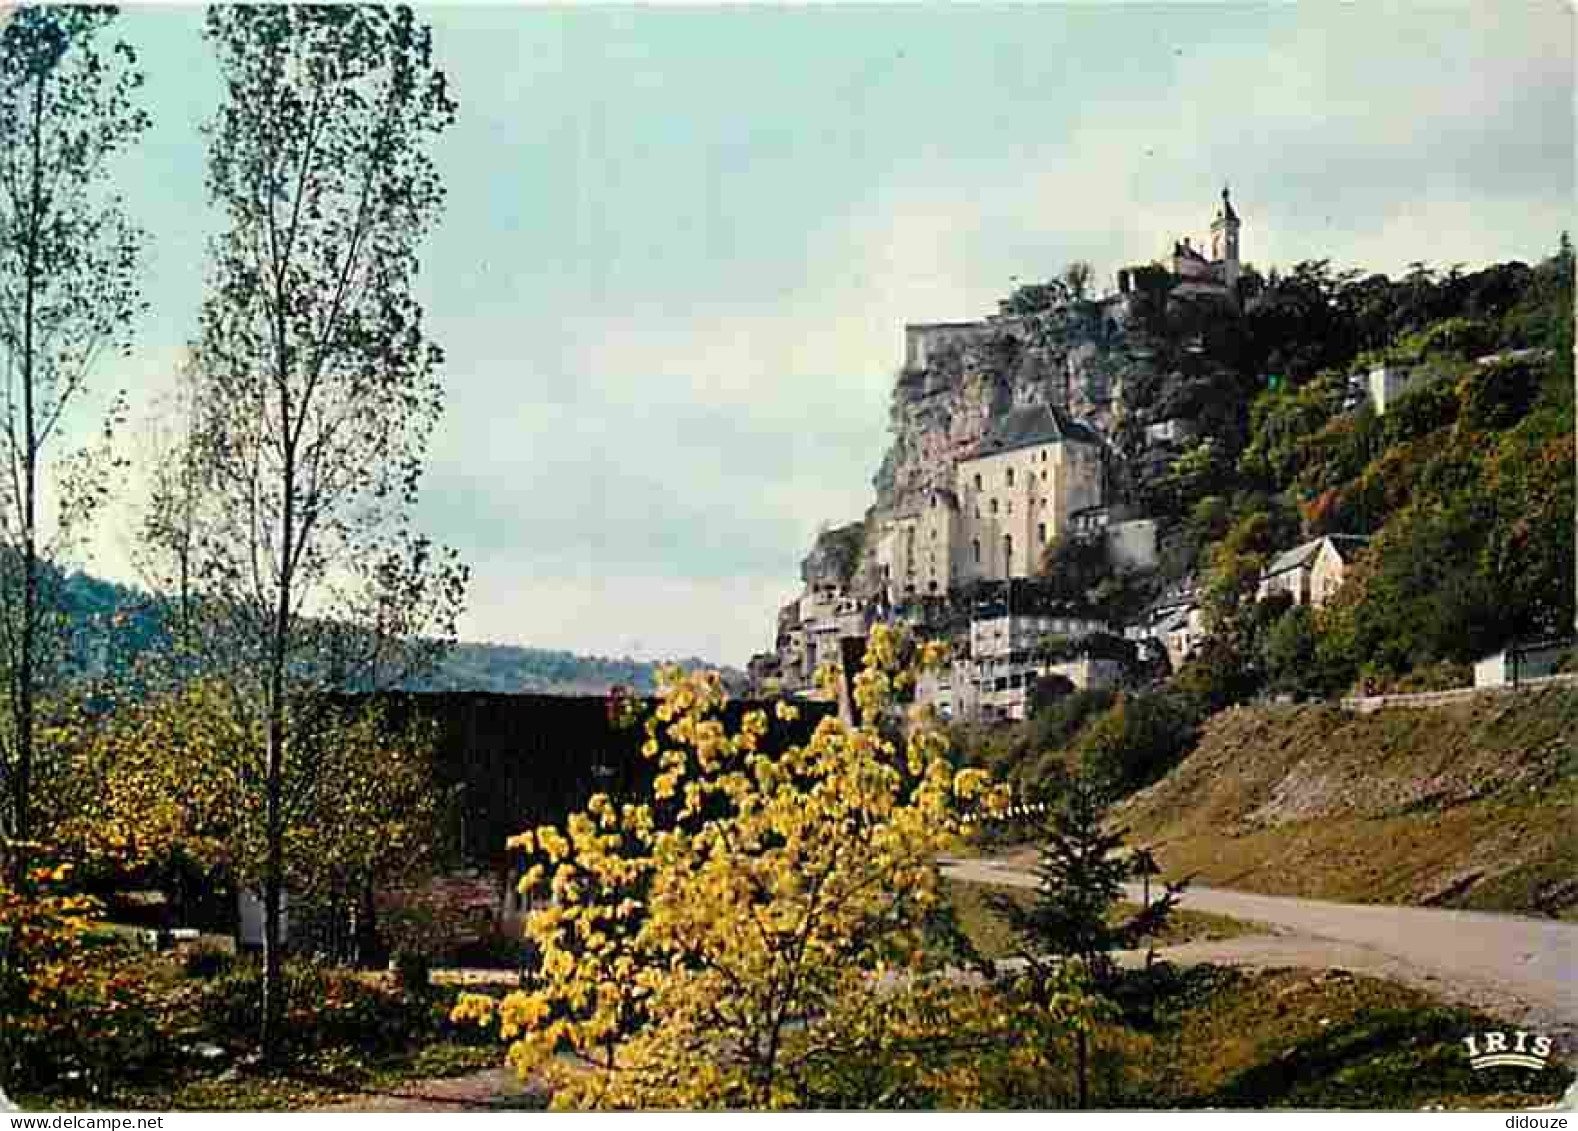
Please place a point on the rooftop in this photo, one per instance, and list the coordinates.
(1345, 545)
(1030, 425)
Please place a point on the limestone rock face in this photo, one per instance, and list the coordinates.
(957, 386)
(834, 556)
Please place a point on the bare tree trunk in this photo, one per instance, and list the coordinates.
(25, 659)
(273, 890)
(279, 648)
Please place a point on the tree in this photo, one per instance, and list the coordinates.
(166, 549)
(1073, 566)
(154, 793)
(317, 387)
(1080, 875)
(711, 945)
(1138, 739)
(1077, 276)
(374, 822)
(68, 293)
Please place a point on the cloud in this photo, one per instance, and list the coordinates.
(614, 612)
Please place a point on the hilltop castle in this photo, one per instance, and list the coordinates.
(1194, 274)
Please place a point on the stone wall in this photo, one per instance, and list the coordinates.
(925, 342)
(1365, 704)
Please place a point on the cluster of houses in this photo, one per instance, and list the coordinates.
(1019, 633)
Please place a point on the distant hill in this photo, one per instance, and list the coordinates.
(509, 667)
(112, 624)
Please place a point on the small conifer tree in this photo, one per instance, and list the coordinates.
(1081, 872)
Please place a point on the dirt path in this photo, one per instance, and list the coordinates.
(1522, 969)
(493, 1089)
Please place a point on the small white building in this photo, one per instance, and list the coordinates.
(1173, 431)
(1181, 632)
(249, 907)
(1388, 382)
(1520, 662)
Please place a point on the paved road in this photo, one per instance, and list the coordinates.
(1525, 970)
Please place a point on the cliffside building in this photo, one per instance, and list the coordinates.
(999, 450)
(1013, 495)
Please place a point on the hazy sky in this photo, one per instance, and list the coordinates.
(681, 243)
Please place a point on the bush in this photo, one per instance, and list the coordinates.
(413, 970)
(1138, 739)
(75, 1012)
(325, 1007)
(1444, 675)
(205, 961)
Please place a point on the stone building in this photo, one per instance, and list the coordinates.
(1313, 572)
(1014, 494)
(1193, 271)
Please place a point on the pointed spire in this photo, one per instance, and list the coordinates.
(1227, 206)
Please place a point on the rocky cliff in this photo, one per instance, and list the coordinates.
(960, 379)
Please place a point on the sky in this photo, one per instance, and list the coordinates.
(681, 244)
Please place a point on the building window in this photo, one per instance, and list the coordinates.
(1008, 553)
(1041, 531)
(1043, 475)
(994, 506)
(1010, 477)
(977, 546)
(977, 482)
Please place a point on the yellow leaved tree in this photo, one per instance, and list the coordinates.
(761, 931)
(166, 789)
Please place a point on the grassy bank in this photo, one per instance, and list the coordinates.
(1462, 806)
(1224, 1038)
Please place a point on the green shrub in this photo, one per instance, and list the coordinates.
(413, 970)
(1138, 739)
(205, 961)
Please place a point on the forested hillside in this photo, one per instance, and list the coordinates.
(1465, 485)
(1464, 489)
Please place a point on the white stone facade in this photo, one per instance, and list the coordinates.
(1011, 499)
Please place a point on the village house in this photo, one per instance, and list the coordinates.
(1311, 573)
(1006, 655)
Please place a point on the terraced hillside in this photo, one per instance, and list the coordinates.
(1469, 805)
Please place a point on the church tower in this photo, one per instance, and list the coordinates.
(1224, 242)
